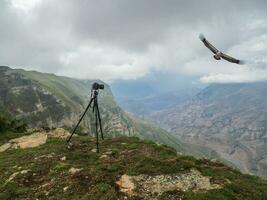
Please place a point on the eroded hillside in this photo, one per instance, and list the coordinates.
(227, 118)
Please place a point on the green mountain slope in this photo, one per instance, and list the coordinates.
(47, 100)
(55, 171)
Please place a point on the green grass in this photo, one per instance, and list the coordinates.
(48, 175)
(66, 89)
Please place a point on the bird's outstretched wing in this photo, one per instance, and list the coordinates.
(207, 44)
(231, 59)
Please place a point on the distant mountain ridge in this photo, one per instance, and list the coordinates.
(231, 119)
(47, 100)
(149, 104)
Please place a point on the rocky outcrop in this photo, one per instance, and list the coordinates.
(33, 140)
(29, 141)
(59, 133)
(146, 186)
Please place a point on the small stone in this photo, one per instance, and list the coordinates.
(108, 152)
(103, 156)
(44, 185)
(94, 150)
(49, 155)
(65, 188)
(63, 158)
(74, 170)
(126, 185)
(24, 171)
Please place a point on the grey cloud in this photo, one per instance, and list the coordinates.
(140, 23)
(128, 39)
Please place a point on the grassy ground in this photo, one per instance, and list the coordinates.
(48, 176)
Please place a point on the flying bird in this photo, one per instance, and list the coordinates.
(218, 54)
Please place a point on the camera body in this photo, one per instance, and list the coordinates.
(97, 86)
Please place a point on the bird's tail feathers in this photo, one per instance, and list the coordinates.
(242, 62)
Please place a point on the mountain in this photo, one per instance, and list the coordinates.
(230, 119)
(47, 101)
(149, 104)
(154, 92)
(125, 168)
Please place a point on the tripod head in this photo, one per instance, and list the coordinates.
(97, 86)
(95, 89)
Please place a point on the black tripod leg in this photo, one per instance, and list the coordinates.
(96, 127)
(100, 123)
(91, 100)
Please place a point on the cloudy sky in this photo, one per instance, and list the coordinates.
(122, 39)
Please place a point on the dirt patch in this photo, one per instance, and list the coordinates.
(59, 133)
(34, 140)
(29, 141)
(145, 186)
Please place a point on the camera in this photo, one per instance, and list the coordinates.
(97, 86)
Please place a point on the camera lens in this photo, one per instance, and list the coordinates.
(101, 86)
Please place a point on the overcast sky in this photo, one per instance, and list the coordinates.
(123, 39)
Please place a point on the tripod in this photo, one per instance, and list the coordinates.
(94, 94)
